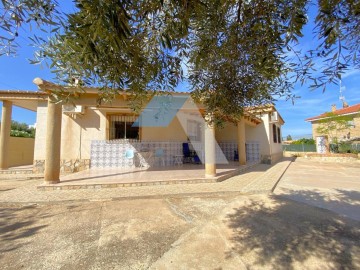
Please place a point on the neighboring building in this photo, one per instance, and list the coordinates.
(92, 135)
(352, 133)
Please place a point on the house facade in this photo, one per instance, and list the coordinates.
(84, 134)
(349, 134)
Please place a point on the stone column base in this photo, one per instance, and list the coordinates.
(66, 165)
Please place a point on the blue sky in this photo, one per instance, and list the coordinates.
(16, 73)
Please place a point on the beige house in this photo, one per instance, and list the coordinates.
(352, 133)
(83, 134)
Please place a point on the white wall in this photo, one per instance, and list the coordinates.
(40, 137)
(260, 133)
(78, 132)
(276, 151)
(75, 141)
(172, 133)
(226, 134)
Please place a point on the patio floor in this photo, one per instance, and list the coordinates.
(114, 177)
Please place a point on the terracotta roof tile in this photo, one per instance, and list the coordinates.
(351, 109)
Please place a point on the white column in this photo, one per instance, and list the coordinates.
(241, 142)
(210, 154)
(5, 134)
(53, 143)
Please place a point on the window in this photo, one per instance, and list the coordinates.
(279, 135)
(121, 127)
(274, 133)
(193, 130)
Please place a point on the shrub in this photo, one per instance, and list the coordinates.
(304, 141)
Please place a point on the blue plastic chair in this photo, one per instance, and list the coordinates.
(189, 156)
(159, 155)
(129, 154)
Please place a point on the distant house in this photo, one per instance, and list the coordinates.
(350, 134)
(87, 134)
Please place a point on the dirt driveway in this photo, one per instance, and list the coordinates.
(333, 186)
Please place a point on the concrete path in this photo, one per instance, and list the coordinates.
(333, 186)
(261, 178)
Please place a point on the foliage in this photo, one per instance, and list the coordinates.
(348, 148)
(332, 124)
(15, 14)
(345, 147)
(21, 130)
(304, 141)
(338, 28)
(233, 53)
(289, 138)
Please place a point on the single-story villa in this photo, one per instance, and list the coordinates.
(84, 134)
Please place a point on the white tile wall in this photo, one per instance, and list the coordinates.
(112, 153)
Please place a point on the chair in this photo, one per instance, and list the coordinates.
(189, 155)
(236, 155)
(129, 155)
(160, 156)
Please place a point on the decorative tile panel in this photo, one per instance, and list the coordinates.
(252, 150)
(112, 153)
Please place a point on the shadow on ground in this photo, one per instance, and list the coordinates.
(281, 234)
(14, 232)
(344, 202)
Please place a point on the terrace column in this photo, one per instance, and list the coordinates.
(5, 134)
(210, 155)
(53, 141)
(241, 142)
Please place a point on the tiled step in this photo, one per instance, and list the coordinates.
(16, 171)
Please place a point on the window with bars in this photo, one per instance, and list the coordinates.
(121, 127)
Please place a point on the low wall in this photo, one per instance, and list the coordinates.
(276, 157)
(66, 165)
(21, 151)
(342, 158)
(324, 157)
(271, 159)
(296, 154)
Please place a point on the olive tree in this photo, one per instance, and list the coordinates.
(233, 53)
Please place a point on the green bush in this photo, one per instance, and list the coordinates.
(347, 148)
(344, 147)
(304, 141)
(21, 130)
(20, 133)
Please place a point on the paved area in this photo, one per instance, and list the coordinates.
(262, 177)
(214, 232)
(187, 226)
(333, 186)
